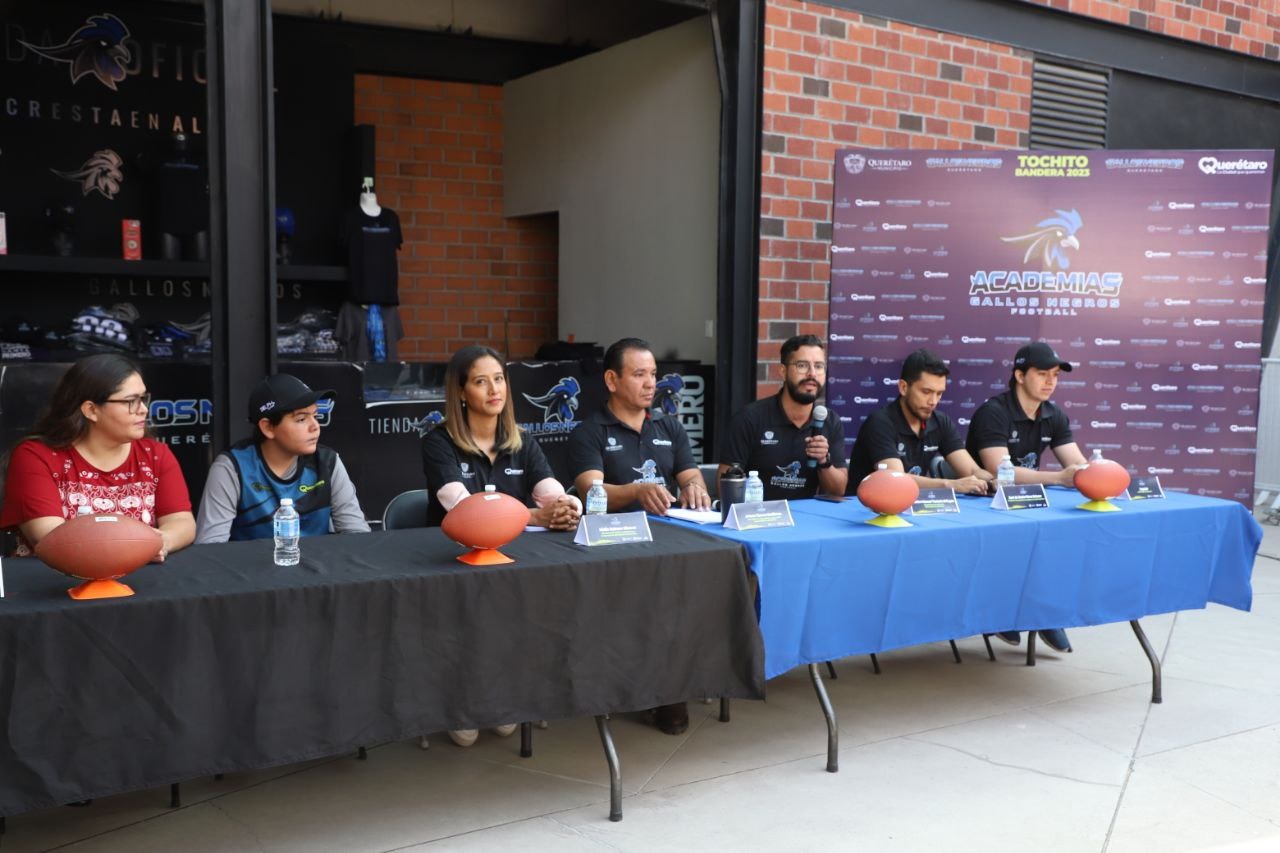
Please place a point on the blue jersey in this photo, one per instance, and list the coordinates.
(261, 491)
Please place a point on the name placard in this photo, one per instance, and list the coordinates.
(758, 516)
(1026, 496)
(933, 501)
(613, 529)
(1145, 489)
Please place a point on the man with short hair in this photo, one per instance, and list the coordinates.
(776, 436)
(1022, 424)
(910, 435)
(283, 459)
(641, 457)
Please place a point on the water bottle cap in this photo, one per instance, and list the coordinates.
(753, 473)
(1006, 458)
(286, 502)
(597, 482)
(880, 466)
(491, 488)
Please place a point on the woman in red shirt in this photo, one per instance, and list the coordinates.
(89, 453)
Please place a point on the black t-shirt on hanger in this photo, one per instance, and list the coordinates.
(372, 269)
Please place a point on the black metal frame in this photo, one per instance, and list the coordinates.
(242, 272)
(737, 30)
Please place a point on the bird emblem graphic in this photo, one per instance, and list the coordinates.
(648, 472)
(1051, 239)
(96, 49)
(101, 173)
(790, 471)
(668, 393)
(427, 422)
(559, 404)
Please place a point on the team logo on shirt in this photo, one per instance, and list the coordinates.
(1028, 461)
(465, 467)
(648, 473)
(768, 438)
(788, 476)
(613, 444)
(1013, 436)
(902, 449)
(661, 442)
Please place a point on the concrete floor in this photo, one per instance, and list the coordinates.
(1069, 755)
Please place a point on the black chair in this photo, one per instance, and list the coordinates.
(407, 509)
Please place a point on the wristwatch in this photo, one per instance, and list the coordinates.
(825, 463)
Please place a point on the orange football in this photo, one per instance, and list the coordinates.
(1101, 479)
(98, 547)
(887, 492)
(485, 520)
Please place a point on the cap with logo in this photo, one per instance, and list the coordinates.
(280, 394)
(1040, 356)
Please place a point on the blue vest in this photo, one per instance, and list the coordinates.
(311, 488)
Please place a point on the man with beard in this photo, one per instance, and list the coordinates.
(1022, 424)
(909, 435)
(777, 436)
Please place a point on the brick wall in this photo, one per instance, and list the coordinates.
(1251, 27)
(467, 274)
(836, 79)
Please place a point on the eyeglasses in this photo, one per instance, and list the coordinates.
(809, 366)
(137, 403)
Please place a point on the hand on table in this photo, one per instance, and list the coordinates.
(654, 497)
(971, 485)
(695, 496)
(560, 514)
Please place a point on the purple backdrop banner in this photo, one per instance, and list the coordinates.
(1145, 269)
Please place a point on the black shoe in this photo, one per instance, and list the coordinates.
(672, 719)
(1013, 638)
(1056, 639)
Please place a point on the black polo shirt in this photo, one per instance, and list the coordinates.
(762, 438)
(513, 474)
(886, 434)
(657, 453)
(1001, 422)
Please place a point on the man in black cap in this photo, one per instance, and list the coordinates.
(909, 435)
(1022, 424)
(284, 459)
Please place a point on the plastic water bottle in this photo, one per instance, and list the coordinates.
(597, 499)
(755, 488)
(285, 526)
(1005, 473)
(1097, 456)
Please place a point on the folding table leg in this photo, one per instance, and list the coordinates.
(831, 670)
(615, 772)
(875, 664)
(362, 754)
(1031, 648)
(175, 796)
(1156, 695)
(991, 655)
(833, 757)
(724, 709)
(526, 740)
(955, 652)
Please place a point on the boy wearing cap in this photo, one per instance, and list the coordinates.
(1022, 424)
(284, 459)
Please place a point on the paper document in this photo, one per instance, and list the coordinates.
(697, 516)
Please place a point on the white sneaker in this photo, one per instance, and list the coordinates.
(505, 730)
(464, 737)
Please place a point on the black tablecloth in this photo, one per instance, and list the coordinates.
(223, 661)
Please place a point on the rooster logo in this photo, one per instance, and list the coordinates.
(428, 422)
(96, 49)
(648, 472)
(559, 404)
(790, 471)
(101, 173)
(1051, 239)
(668, 393)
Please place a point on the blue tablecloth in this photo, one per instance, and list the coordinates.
(834, 586)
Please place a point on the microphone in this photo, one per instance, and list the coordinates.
(819, 421)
